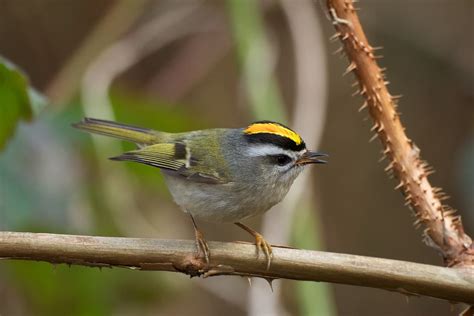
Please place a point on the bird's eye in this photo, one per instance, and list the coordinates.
(282, 160)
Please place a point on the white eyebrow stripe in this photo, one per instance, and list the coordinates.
(257, 150)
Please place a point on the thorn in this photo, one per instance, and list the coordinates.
(338, 51)
(444, 197)
(250, 281)
(270, 282)
(449, 212)
(468, 311)
(417, 223)
(437, 190)
(389, 167)
(335, 37)
(373, 138)
(363, 106)
(350, 68)
(399, 185)
(376, 125)
(403, 169)
(386, 83)
(396, 97)
(376, 48)
(337, 20)
(429, 172)
(363, 91)
(356, 93)
(380, 128)
(354, 84)
(378, 100)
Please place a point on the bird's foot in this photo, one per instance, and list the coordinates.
(260, 242)
(263, 245)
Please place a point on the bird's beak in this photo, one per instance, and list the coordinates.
(311, 157)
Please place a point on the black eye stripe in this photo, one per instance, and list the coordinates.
(281, 159)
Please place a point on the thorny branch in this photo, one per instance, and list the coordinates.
(239, 259)
(443, 230)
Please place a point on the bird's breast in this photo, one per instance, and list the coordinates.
(230, 202)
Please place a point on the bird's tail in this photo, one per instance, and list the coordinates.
(118, 130)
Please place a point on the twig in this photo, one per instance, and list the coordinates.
(455, 285)
(443, 230)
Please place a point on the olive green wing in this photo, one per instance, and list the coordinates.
(177, 159)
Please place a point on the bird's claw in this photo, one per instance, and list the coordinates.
(263, 245)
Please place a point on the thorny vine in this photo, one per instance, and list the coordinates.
(443, 229)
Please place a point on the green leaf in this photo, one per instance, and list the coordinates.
(18, 101)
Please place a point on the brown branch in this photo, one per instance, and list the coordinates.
(456, 285)
(443, 230)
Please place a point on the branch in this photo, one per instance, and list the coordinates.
(443, 230)
(455, 285)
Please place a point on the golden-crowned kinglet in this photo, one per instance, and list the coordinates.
(222, 174)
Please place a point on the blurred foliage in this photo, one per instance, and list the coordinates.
(18, 100)
(255, 58)
(72, 290)
(35, 193)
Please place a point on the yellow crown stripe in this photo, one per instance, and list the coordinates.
(272, 128)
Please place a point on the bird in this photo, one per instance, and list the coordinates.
(220, 175)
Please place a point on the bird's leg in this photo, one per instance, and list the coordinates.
(201, 243)
(260, 242)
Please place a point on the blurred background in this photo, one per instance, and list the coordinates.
(183, 65)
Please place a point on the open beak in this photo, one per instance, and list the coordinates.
(311, 157)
